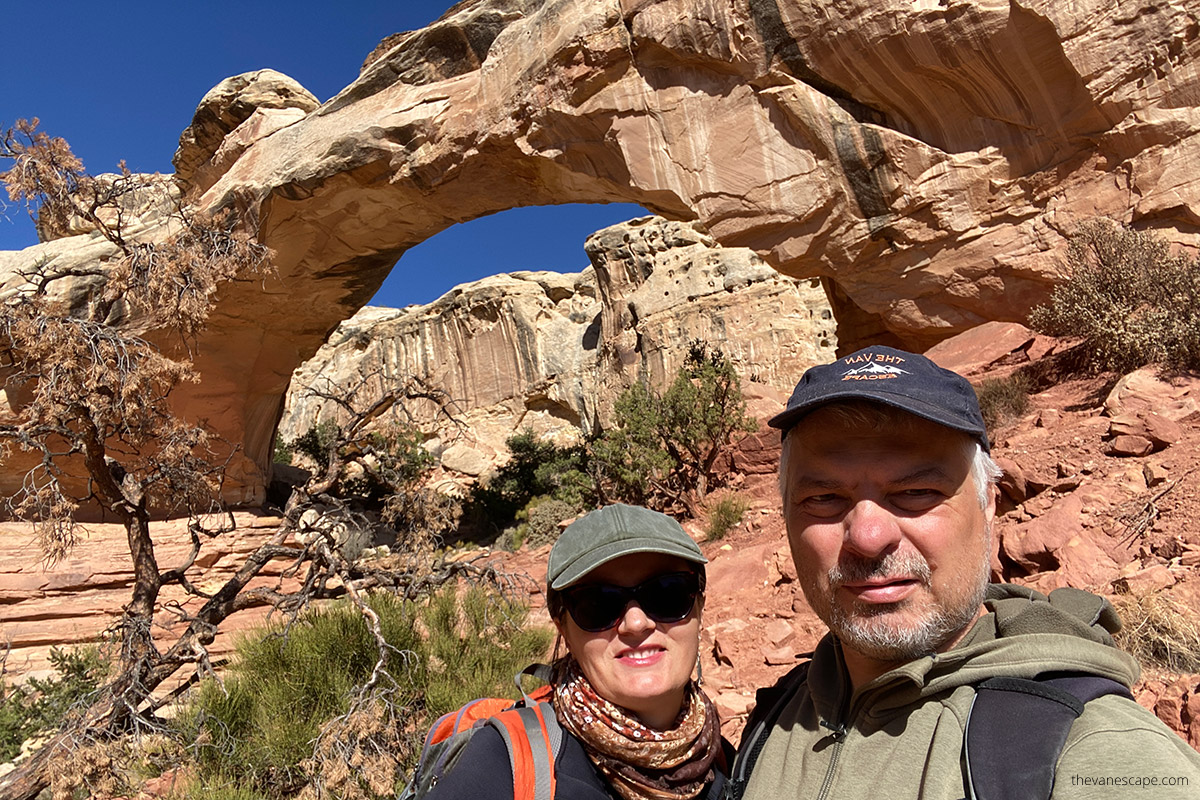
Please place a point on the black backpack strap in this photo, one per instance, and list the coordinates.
(1016, 730)
(1086, 687)
(769, 704)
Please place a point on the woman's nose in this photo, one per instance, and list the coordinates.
(870, 529)
(634, 620)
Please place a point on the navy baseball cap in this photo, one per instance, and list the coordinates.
(907, 381)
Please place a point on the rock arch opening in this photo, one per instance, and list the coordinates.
(520, 239)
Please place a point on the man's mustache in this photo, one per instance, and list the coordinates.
(907, 565)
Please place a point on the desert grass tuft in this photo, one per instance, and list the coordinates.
(1159, 632)
(1003, 399)
(724, 514)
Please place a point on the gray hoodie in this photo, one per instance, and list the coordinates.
(901, 734)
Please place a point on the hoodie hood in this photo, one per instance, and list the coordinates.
(1026, 633)
(1023, 634)
(1019, 611)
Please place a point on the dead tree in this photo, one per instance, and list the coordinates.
(96, 395)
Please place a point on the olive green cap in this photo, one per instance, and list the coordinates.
(611, 532)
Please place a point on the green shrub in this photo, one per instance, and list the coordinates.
(380, 471)
(316, 442)
(254, 732)
(41, 704)
(538, 521)
(665, 446)
(1003, 399)
(1131, 301)
(13, 726)
(216, 790)
(395, 452)
(630, 458)
(724, 514)
(398, 460)
(283, 452)
(249, 731)
(536, 469)
(475, 649)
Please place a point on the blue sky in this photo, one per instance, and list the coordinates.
(121, 80)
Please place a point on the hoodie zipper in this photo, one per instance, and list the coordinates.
(838, 733)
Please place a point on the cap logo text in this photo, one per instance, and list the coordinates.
(874, 368)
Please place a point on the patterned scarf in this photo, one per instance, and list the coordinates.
(640, 762)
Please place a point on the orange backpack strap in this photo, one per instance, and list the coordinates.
(528, 727)
(533, 738)
(457, 721)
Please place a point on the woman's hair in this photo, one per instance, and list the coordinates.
(556, 607)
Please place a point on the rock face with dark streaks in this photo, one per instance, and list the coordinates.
(926, 160)
(551, 352)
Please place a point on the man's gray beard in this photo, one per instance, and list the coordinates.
(869, 631)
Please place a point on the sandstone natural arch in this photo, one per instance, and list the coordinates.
(925, 159)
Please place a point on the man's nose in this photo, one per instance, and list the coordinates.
(870, 529)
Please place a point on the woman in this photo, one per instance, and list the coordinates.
(625, 588)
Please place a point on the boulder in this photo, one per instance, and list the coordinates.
(778, 633)
(1084, 564)
(1144, 426)
(1035, 545)
(1143, 582)
(1012, 480)
(1127, 445)
(1172, 704)
(1162, 431)
(1193, 715)
(983, 349)
(1143, 390)
(778, 656)
(732, 705)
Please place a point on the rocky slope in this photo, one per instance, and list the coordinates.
(1100, 492)
(925, 159)
(550, 353)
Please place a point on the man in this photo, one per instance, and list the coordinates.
(889, 497)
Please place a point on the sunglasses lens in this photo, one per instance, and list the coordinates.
(596, 608)
(669, 598)
(664, 598)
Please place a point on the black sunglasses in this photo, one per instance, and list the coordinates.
(597, 607)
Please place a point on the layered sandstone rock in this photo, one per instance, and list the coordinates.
(75, 601)
(925, 159)
(233, 115)
(550, 352)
